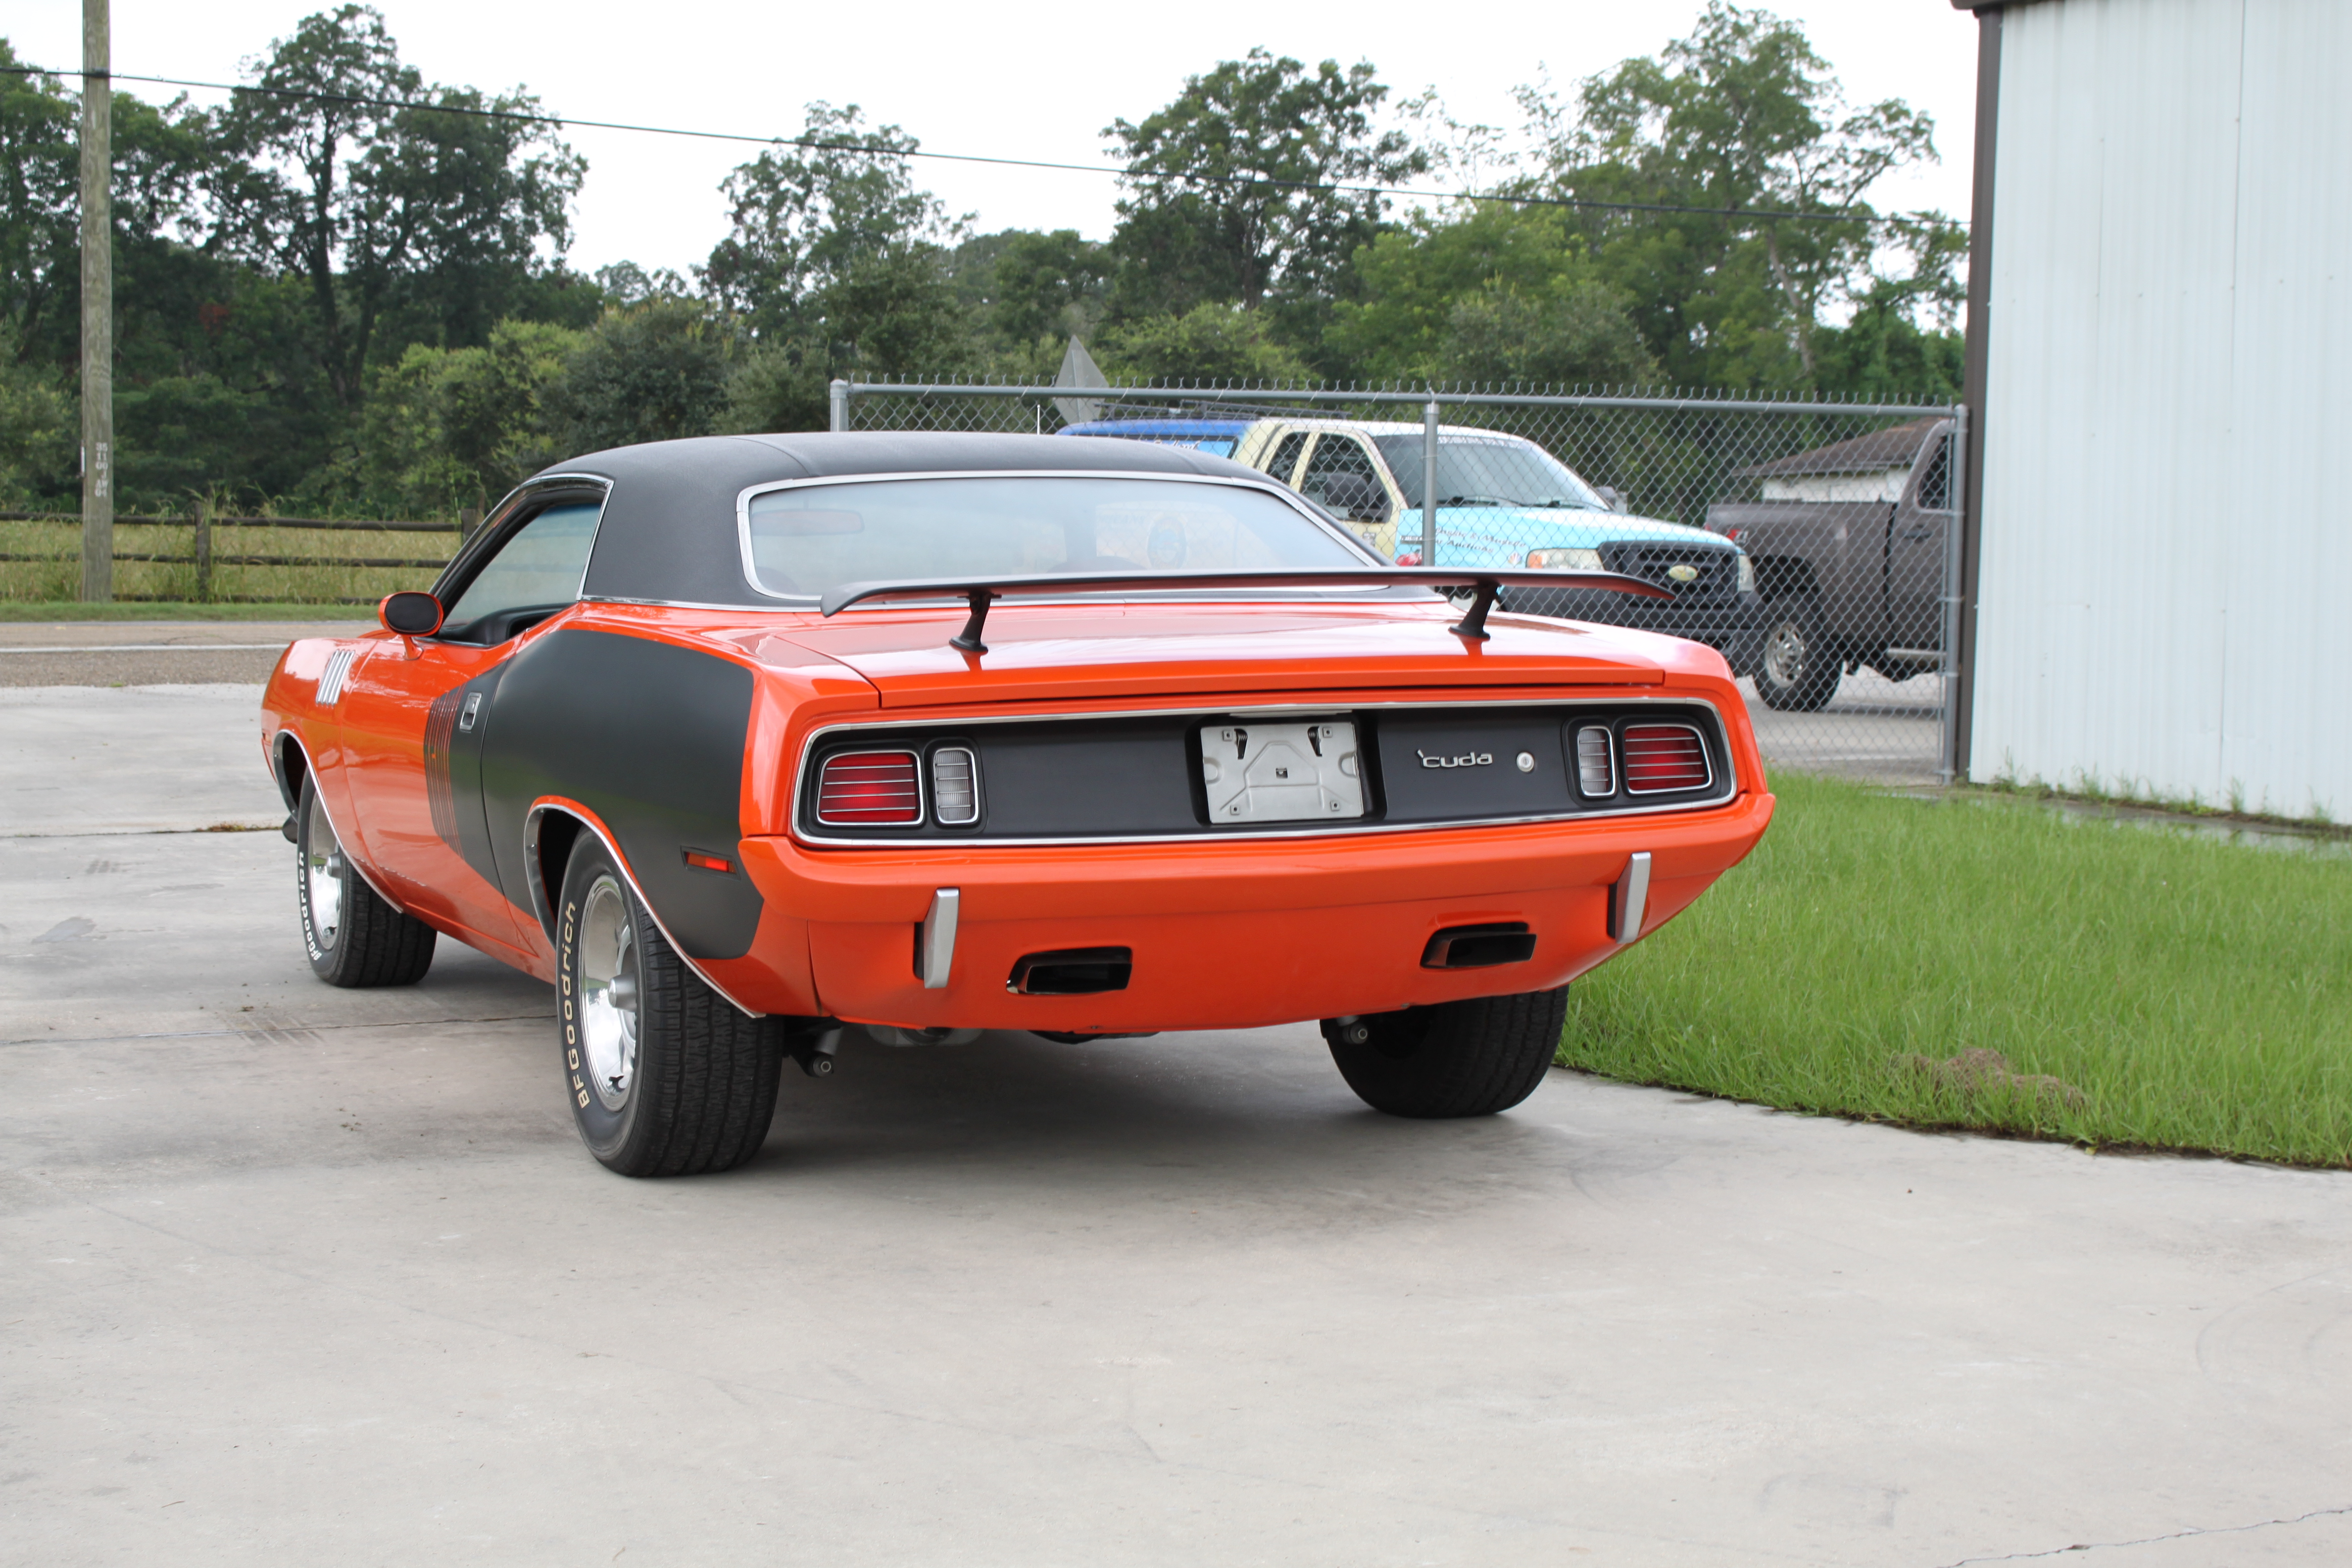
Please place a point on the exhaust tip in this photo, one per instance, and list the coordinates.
(1480, 946)
(1072, 971)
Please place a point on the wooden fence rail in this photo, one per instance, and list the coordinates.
(204, 558)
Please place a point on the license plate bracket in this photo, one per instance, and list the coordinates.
(1258, 772)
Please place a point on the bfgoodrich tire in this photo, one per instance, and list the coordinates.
(1796, 668)
(1457, 1058)
(353, 937)
(665, 1077)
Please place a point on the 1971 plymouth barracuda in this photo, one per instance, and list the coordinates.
(738, 740)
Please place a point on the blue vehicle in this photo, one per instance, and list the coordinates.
(1502, 501)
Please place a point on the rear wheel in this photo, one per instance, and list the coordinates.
(665, 1077)
(1797, 670)
(353, 937)
(1457, 1058)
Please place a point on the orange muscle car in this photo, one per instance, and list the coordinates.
(740, 741)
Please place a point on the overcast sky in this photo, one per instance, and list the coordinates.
(1036, 81)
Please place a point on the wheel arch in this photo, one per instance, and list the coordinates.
(552, 830)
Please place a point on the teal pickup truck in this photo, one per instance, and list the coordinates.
(1502, 502)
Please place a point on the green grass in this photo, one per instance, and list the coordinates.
(2197, 993)
(330, 571)
(21, 610)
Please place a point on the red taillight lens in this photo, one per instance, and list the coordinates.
(1662, 757)
(869, 789)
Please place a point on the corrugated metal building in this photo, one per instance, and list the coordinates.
(2161, 342)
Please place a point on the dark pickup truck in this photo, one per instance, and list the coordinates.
(1848, 582)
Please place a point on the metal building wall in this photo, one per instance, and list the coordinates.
(2167, 548)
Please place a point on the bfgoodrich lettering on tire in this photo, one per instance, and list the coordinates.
(1457, 1058)
(665, 1077)
(352, 936)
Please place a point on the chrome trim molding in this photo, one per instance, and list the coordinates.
(539, 890)
(1288, 496)
(1703, 757)
(495, 519)
(331, 678)
(1629, 899)
(803, 832)
(935, 945)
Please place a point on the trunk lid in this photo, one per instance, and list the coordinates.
(1160, 650)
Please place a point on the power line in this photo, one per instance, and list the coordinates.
(816, 145)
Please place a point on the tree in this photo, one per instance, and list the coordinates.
(653, 371)
(1742, 115)
(1033, 284)
(1488, 291)
(344, 169)
(450, 428)
(1209, 342)
(1233, 187)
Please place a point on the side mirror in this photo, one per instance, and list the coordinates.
(1611, 494)
(412, 614)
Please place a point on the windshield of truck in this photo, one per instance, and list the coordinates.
(800, 541)
(1489, 471)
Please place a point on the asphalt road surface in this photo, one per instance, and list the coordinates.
(295, 1275)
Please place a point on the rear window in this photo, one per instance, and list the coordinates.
(798, 542)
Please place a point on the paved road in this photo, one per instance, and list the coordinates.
(141, 652)
(299, 1275)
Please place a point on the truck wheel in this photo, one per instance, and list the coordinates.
(1457, 1058)
(1796, 670)
(353, 937)
(665, 1075)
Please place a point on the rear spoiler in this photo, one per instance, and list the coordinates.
(981, 592)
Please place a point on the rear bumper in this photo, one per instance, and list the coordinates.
(1223, 935)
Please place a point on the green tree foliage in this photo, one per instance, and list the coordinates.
(450, 428)
(1208, 342)
(1742, 115)
(1489, 293)
(1235, 189)
(381, 211)
(652, 371)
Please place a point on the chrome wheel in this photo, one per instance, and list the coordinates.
(609, 998)
(1784, 655)
(323, 871)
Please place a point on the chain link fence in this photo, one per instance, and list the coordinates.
(1814, 544)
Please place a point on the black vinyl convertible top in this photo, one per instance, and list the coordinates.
(668, 527)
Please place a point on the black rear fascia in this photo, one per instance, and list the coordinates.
(1078, 778)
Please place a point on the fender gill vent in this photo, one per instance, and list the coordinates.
(1072, 971)
(1479, 947)
(331, 679)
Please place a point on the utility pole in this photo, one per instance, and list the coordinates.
(97, 305)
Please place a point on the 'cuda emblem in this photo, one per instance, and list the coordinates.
(1466, 759)
(1683, 574)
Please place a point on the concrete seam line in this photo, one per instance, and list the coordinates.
(2150, 1540)
(240, 1034)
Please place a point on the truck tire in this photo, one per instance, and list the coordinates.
(355, 939)
(665, 1077)
(1797, 670)
(1457, 1058)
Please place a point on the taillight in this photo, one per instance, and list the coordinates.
(1596, 775)
(955, 786)
(1662, 757)
(869, 789)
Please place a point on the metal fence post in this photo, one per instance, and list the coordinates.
(840, 406)
(1429, 483)
(1948, 761)
(203, 553)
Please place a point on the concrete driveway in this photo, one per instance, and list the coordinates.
(289, 1275)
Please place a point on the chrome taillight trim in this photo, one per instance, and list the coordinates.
(804, 827)
(1705, 759)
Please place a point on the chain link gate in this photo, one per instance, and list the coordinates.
(1837, 609)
